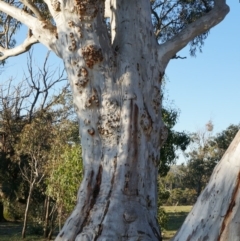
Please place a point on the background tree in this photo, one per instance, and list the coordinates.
(64, 179)
(185, 182)
(175, 141)
(32, 151)
(200, 162)
(116, 84)
(223, 187)
(30, 100)
(222, 140)
(207, 150)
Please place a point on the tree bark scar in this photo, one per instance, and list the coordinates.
(95, 192)
(131, 177)
(189, 238)
(90, 180)
(227, 217)
(161, 76)
(98, 184)
(134, 132)
(100, 226)
(155, 232)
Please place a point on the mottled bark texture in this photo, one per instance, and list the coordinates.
(116, 85)
(215, 216)
(117, 97)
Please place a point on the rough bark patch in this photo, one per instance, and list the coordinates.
(230, 207)
(95, 193)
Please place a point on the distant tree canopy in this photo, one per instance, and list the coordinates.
(185, 182)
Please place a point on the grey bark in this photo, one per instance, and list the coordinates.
(116, 86)
(215, 216)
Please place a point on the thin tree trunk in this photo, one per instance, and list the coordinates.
(44, 208)
(60, 218)
(26, 210)
(2, 219)
(46, 218)
(54, 210)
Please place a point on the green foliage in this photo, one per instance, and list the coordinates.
(181, 196)
(163, 195)
(206, 153)
(35, 138)
(35, 228)
(185, 182)
(170, 17)
(66, 172)
(162, 217)
(222, 140)
(175, 140)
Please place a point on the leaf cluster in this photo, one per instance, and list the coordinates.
(175, 141)
(170, 17)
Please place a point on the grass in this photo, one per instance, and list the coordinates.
(12, 231)
(177, 215)
(18, 237)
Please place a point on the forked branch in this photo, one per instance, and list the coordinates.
(169, 49)
(19, 14)
(38, 27)
(24, 47)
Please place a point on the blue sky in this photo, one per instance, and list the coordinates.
(208, 86)
(203, 87)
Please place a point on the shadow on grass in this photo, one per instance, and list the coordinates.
(175, 221)
(11, 231)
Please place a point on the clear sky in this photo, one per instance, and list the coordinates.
(208, 86)
(203, 87)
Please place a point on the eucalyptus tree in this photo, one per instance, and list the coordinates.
(115, 72)
(23, 109)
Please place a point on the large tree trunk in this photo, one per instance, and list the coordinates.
(118, 105)
(215, 216)
(116, 88)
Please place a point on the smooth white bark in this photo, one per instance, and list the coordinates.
(42, 30)
(25, 46)
(215, 216)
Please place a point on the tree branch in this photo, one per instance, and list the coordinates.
(19, 14)
(168, 49)
(38, 27)
(24, 47)
(34, 9)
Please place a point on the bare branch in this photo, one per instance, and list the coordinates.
(168, 49)
(24, 47)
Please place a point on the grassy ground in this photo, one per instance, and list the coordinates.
(12, 231)
(177, 215)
